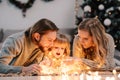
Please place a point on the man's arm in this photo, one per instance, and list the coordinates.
(9, 50)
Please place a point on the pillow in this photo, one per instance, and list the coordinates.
(1, 35)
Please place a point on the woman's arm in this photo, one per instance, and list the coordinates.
(110, 63)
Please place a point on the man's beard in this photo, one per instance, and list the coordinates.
(41, 47)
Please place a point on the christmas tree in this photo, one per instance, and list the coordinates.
(107, 11)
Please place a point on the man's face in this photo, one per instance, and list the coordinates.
(47, 40)
(85, 39)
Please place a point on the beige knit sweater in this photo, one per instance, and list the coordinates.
(18, 51)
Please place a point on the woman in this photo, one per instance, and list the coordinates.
(93, 45)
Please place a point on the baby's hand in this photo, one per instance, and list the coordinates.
(46, 62)
(46, 66)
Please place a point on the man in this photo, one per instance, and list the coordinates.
(21, 52)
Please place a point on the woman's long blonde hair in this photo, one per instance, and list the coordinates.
(97, 31)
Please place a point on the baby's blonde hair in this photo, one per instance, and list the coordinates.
(64, 41)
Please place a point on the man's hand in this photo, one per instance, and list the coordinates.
(32, 68)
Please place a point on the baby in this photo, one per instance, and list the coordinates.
(60, 51)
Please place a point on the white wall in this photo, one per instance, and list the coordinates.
(61, 12)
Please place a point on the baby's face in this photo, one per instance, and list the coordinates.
(58, 50)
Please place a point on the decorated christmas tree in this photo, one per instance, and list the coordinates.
(107, 11)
